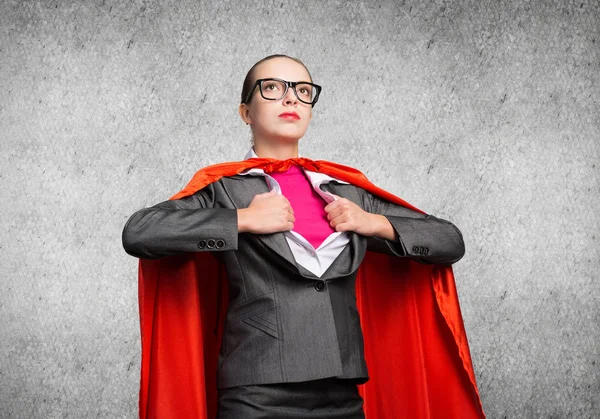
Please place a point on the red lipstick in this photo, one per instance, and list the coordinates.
(293, 116)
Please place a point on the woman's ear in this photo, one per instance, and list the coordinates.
(244, 112)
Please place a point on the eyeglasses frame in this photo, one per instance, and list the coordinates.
(288, 84)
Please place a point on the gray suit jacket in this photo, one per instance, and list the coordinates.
(283, 323)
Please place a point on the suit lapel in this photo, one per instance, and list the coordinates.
(241, 189)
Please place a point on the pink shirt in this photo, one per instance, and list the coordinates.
(309, 207)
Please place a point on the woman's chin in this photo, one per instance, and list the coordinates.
(288, 137)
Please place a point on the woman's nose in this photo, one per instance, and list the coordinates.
(290, 97)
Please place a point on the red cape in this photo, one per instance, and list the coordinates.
(416, 348)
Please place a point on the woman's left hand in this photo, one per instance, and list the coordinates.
(345, 215)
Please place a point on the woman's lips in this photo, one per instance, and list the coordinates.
(293, 116)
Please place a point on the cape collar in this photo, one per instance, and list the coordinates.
(316, 178)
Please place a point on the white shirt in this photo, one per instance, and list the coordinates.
(314, 260)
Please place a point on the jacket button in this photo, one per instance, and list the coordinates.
(210, 244)
(420, 250)
(220, 244)
(320, 285)
(202, 244)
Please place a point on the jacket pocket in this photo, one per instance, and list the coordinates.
(266, 321)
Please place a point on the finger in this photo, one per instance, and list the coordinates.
(343, 227)
(281, 201)
(341, 203)
(336, 220)
(336, 224)
(332, 205)
(284, 199)
(287, 204)
(341, 224)
(336, 212)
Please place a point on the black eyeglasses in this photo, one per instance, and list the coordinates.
(275, 89)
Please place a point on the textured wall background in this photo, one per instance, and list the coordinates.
(481, 112)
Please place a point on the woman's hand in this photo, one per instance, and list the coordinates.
(267, 213)
(345, 215)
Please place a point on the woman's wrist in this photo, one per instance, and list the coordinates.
(243, 222)
(382, 227)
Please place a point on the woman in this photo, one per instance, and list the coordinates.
(291, 239)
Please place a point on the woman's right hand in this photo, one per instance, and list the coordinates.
(268, 212)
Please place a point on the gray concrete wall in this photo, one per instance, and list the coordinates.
(481, 112)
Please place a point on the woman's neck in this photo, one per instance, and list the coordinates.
(276, 151)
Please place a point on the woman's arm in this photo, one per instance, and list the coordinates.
(190, 224)
(419, 236)
(398, 231)
(196, 224)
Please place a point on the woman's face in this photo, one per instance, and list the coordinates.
(264, 115)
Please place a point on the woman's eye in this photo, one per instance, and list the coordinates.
(305, 92)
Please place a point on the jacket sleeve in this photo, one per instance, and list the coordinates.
(422, 237)
(190, 224)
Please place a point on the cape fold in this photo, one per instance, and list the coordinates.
(416, 347)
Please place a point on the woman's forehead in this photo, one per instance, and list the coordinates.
(281, 68)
